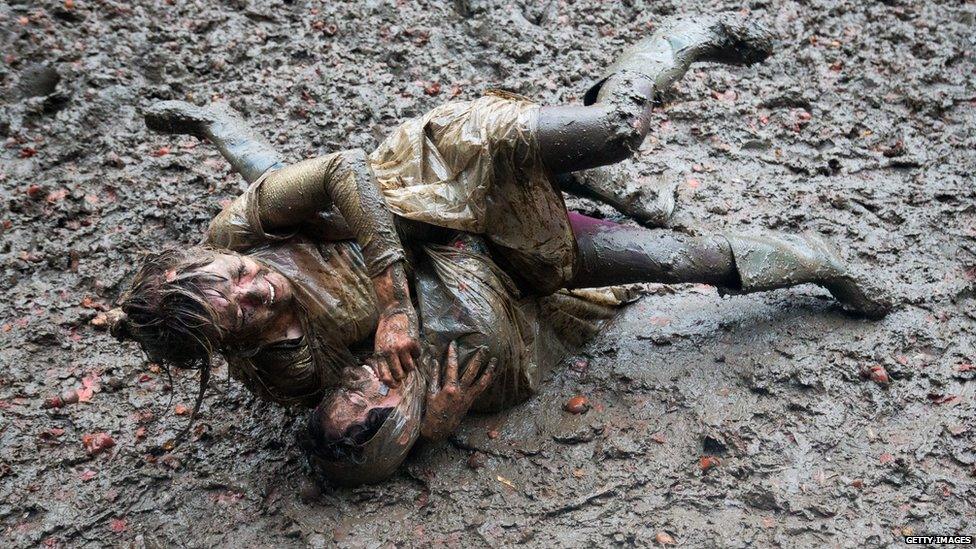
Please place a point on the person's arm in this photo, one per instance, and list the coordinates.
(294, 193)
(449, 399)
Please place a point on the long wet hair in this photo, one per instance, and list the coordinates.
(166, 311)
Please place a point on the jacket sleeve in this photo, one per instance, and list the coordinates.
(295, 193)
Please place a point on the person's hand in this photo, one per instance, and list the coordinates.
(449, 399)
(397, 346)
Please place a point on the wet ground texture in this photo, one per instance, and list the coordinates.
(711, 421)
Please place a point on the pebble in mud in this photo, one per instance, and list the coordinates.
(577, 405)
(708, 462)
(664, 538)
(96, 443)
(876, 373)
(68, 397)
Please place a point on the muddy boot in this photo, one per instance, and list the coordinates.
(665, 56)
(776, 260)
(179, 117)
(218, 123)
(649, 201)
(626, 93)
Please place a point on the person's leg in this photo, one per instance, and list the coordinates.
(648, 200)
(245, 150)
(611, 124)
(610, 253)
(615, 254)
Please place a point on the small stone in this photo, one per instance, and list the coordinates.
(708, 462)
(879, 375)
(432, 88)
(577, 405)
(876, 373)
(664, 538)
(96, 443)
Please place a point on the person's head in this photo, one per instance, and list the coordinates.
(186, 304)
(363, 429)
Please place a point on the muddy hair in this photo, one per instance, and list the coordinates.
(165, 310)
(348, 446)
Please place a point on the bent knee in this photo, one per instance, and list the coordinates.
(626, 122)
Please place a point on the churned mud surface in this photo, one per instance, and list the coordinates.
(712, 421)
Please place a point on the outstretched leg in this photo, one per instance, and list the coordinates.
(615, 254)
(611, 254)
(614, 119)
(244, 149)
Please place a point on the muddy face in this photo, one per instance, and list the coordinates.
(362, 393)
(249, 298)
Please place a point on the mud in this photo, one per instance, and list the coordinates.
(860, 126)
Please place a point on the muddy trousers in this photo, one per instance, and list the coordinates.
(610, 254)
(615, 116)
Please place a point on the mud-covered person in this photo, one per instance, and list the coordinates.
(308, 275)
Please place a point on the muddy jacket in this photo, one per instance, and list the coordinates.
(474, 166)
(469, 166)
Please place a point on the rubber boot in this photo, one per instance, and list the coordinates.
(178, 117)
(665, 56)
(648, 200)
(776, 260)
(248, 153)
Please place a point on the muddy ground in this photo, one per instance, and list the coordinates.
(861, 127)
